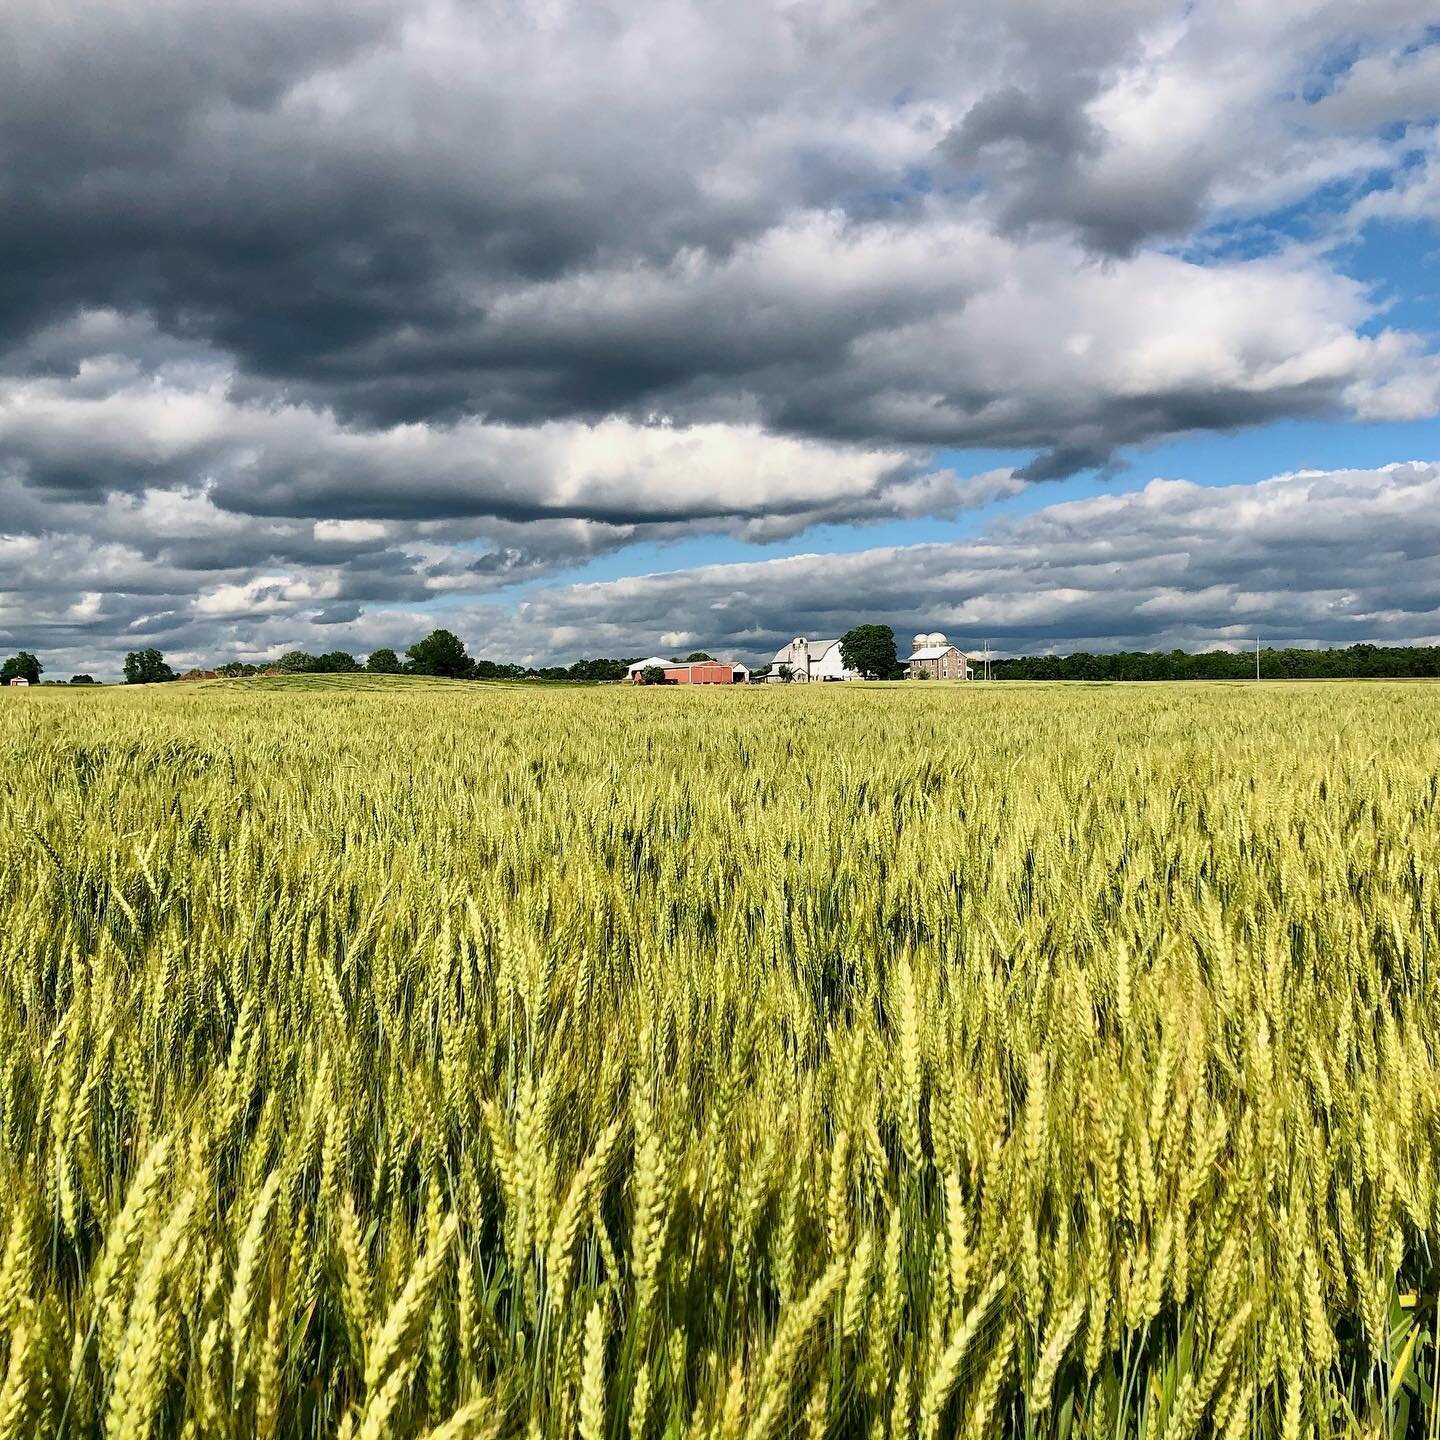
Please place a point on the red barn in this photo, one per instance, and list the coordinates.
(700, 672)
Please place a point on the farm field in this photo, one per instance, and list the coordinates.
(383, 1058)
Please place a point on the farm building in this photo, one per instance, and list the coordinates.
(701, 672)
(655, 662)
(935, 658)
(19, 680)
(691, 672)
(811, 660)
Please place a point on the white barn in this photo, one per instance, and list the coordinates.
(812, 660)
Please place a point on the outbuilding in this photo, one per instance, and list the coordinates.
(690, 672)
(700, 672)
(655, 662)
(18, 680)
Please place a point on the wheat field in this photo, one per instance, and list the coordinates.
(404, 1059)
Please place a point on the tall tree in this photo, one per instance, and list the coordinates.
(870, 649)
(440, 653)
(296, 662)
(23, 666)
(146, 667)
(384, 661)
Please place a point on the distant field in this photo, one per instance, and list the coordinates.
(382, 1057)
(363, 681)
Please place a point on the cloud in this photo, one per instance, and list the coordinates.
(312, 310)
(1395, 86)
(1136, 351)
(415, 211)
(1313, 558)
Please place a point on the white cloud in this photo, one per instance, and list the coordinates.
(350, 530)
(1395, 86)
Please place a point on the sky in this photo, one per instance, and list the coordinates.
(601, 329)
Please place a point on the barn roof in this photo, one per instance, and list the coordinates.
(932, 652)
(818, 650)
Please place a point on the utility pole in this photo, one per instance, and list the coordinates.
(1257, 657)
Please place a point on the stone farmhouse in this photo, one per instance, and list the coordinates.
(935, 658)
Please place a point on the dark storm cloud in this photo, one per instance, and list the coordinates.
(1061, 464)
(1046, 158)
(1038, 150)
(1051, 124)
(125, 180)
(390, 208)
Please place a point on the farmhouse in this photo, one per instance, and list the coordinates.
(935, 658)
(19, 680)
(811, 660)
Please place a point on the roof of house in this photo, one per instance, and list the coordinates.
(932, 652)
(659, 660)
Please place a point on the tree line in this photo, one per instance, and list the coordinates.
(441, 653)
(869, 649)
(1354, 662)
